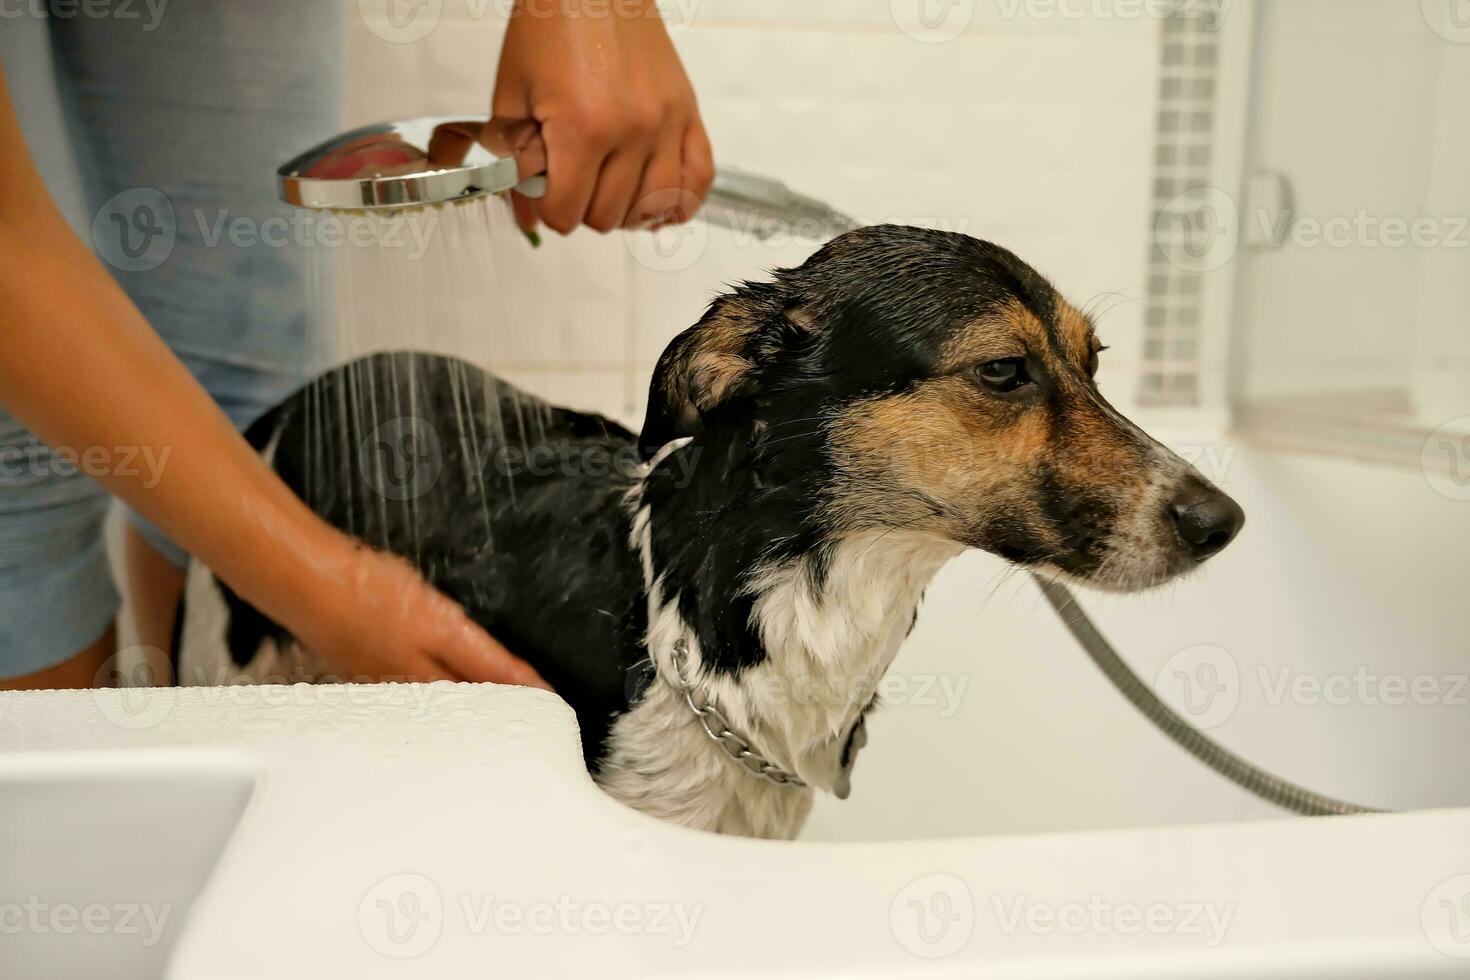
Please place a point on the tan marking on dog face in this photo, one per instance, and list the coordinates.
(1012, 331)
(712, 362)
(1076, 333)
(951, 457)
(931, 456)
(716, 361)
(1015, 331)
(1098, 453)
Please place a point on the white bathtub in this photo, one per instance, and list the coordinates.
(450, 832)
(1023, 824)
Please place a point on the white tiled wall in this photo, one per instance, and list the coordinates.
(1034, 131)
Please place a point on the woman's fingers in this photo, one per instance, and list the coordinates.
(617, 187)
(661, 189)
(505, 136)
(524, 211)
(574, 157)
(698, 164)
(695, 174)
(469, 653)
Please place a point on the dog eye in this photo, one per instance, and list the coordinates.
(1004, 376)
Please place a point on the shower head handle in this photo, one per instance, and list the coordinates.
(440, 159)
(413, 162)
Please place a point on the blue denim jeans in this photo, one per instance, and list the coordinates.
(158, 137)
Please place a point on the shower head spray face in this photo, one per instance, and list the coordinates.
(408, 163)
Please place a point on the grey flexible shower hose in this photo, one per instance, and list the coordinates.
(1272, 789)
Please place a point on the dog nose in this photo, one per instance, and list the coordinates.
(1206, 519)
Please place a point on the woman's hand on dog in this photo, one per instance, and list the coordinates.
(382, 621)
(625, 146)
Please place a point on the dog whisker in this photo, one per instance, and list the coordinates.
(811, 418)
(766, 443)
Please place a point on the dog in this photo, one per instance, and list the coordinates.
(718, 596)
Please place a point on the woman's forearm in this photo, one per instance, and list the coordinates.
(81, 367)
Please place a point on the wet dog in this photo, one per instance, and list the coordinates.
(718, 596)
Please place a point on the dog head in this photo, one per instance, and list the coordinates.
(926, 380)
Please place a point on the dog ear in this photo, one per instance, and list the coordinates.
(714, 364)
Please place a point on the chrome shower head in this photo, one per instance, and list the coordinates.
(436, 160)
(414, 162)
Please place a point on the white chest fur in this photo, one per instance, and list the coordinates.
(826, 650)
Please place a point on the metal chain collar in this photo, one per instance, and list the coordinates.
(717, 727)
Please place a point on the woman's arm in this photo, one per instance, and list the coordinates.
(81, 367)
